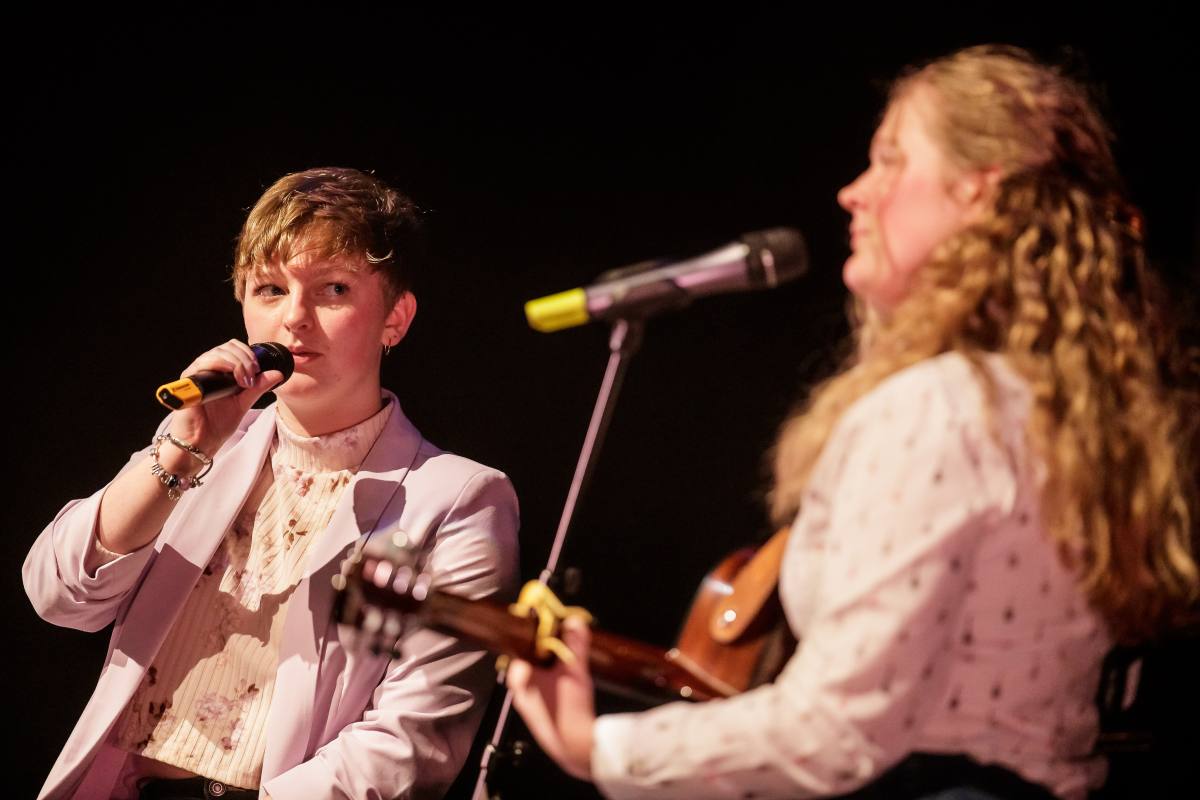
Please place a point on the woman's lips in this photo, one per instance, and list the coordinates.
(302, 357)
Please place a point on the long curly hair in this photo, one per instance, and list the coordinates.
(1054, 277)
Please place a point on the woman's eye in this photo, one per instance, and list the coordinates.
(889, 158)
(268, 290)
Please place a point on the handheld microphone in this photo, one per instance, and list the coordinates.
(760, 260)
(193, 390)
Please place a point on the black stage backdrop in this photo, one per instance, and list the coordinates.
(546, 149)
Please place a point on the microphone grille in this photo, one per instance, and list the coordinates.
(777, 255)
(273, 355)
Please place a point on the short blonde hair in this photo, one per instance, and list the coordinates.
(343, 212)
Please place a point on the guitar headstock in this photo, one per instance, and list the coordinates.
(383, 588)
(379, 587)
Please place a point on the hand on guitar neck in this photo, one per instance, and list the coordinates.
(557, 702)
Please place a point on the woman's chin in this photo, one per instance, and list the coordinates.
(857, 274)
(298, 388)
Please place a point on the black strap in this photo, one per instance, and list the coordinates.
(925, 774)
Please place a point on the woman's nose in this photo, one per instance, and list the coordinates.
(850, 196)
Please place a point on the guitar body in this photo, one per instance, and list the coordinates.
(756, 652)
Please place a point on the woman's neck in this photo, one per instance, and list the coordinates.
(320, 421)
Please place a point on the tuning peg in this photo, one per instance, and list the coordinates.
(420, 589)
(403, 579)
(381, 575)
(372, 621)
(393, 627)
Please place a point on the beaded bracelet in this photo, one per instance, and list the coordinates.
(175, 484)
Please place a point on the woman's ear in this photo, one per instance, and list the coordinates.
(977, 188)
(395, 327)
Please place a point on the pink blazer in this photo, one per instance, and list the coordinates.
(343, 722)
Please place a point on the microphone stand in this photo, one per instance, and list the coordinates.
(623, 342)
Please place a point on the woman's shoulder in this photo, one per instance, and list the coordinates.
(949, 385)
(958, 419)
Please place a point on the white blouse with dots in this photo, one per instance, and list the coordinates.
(933, 612)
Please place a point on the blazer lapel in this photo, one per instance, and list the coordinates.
(369, 492)
(310, 610)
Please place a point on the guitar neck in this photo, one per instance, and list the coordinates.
(619, 665)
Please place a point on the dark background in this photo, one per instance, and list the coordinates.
(546, 149)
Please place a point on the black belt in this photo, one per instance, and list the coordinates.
(193, 789)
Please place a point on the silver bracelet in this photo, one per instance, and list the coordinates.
(175, 484)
